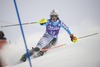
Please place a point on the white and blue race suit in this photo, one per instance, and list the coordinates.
(52, 31)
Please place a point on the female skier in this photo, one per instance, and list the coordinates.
(50, 36)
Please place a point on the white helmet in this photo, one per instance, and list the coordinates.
(54, 12)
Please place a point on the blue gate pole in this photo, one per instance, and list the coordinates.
(22, 32)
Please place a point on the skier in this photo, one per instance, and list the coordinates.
(2, 43)
(50, 37)
(2, 39)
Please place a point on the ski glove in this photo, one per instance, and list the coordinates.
(73, 38)
(42, 21)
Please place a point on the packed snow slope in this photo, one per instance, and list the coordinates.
(84, 53)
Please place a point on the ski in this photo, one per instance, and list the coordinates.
(45, 49)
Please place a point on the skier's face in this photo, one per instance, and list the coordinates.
(54, 18)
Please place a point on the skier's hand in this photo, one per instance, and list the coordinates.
(73, 38)
(42, 21)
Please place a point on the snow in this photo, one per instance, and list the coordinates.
(84, 53)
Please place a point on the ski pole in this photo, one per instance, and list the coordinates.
(19, 24)
(88, 35)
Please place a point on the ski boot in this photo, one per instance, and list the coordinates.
(41, 53)
(31, 52)
(24, 57)
(38, 54)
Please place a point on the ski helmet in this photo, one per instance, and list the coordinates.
(54, 13)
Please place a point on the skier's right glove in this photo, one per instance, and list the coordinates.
(73, 38)
(42, 21)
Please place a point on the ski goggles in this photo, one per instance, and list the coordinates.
(53, 16)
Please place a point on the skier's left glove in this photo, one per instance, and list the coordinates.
(73, 38)
(42, 21)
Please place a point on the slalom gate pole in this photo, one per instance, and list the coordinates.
(22, 32)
